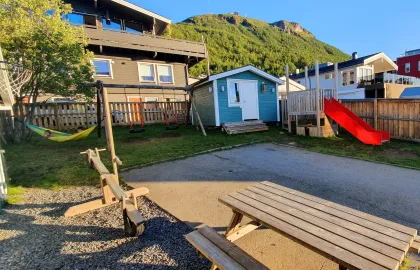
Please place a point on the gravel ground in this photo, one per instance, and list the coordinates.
(35, 235)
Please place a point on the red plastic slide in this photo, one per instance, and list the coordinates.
(353, 124)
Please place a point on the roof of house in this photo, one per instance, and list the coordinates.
(411, 92)
(141, 10)
(237, 71)
(353, 62)
(294, 83)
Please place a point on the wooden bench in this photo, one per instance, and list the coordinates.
(220, 251)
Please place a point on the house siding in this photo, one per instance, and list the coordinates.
(267, 101)
(204, 101)
(125, 71)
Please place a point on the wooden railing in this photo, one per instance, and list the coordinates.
(401, 117)
(304, 102)
(152, 43)
(64, 116)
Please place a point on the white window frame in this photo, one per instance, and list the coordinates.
(347, 78)
(154, 71)
(409, 67)
(418, 66)
(231, 103)
(172, 73)
(147, 99)
(110, 62)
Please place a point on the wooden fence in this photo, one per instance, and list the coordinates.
(401, 117)
(64, 116)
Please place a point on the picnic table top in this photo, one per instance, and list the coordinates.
(353, 239)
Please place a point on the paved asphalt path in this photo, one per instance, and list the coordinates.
(382, 190)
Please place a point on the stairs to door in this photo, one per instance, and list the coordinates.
(244, 127)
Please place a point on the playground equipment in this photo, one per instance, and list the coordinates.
(59, 136)
(112, 192)
(316, 112)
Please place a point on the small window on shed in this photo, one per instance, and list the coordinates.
(234, 94)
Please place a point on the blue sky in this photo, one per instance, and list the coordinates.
(365, 26)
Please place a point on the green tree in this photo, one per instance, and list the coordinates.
(33, 35)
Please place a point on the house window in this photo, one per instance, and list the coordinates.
(234, 94)
(165, 74)
(172, 99)
(151, 99)
(419, 66)
(111, 24)
(75, 18)
(146, 72)
(352, 77)
(407, 67)
(344, 79)
(102, 67)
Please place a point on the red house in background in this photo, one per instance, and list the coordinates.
(409, 64)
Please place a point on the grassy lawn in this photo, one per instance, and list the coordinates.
(45, 164)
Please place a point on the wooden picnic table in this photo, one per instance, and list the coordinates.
(353, 239)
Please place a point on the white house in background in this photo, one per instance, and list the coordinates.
(361, 77)
(293, 86)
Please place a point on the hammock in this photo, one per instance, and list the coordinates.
(58, 136)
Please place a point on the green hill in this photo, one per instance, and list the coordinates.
(234, 41)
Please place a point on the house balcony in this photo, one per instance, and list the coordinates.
(144, 42)
(382, 78)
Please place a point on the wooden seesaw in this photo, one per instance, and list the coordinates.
(134, 223)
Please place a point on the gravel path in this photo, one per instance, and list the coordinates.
(35, 235)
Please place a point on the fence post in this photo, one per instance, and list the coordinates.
(318, 116)
(57, 119)
(375, 113)
(289, 119)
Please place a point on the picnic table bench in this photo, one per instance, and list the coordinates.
(353, 239)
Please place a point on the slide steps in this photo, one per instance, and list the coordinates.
(244, 127)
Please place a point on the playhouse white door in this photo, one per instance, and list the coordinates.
(249, 100)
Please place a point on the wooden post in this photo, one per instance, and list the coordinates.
(306, 78)
(198, 117)
(86, 115)
(98, 108)
(109, 135)
(336, 80)
(289, 120)
(375, 113)
(318, 116)
(207, 55)
(57, 120)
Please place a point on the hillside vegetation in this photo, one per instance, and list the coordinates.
(234, 41)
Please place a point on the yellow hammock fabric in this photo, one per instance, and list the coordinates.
(58, 136)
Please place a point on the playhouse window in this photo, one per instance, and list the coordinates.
(234, 95)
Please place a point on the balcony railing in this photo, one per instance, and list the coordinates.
(145, 42)
(387, 78)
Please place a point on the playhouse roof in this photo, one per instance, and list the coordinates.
(237, 71)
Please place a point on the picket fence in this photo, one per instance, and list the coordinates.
(65, 116)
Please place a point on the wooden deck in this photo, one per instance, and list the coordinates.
(353, 239)
(113, 38)
(244, 127)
